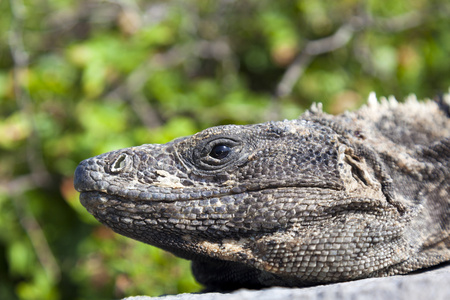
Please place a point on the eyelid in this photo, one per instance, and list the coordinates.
(202, 159)
(220, 141)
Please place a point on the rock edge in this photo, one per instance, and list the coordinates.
(431, 284)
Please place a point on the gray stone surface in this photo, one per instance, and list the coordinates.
(433, 284)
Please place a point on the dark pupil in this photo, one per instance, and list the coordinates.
(220, 151)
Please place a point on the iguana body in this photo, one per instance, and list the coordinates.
(292, 203)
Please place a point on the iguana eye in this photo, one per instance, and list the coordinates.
(212, 153)
(220, 151)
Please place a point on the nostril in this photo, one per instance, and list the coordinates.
(120, 163)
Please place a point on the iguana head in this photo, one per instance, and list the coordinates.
(280, 197)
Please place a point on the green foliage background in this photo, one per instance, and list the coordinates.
(79, 78)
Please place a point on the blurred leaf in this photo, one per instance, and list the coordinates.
(50, 76)
(4, 85)
(385, 61)
(160, 35)
(175, 128)
(38, 288)
(14, 130)
(283, 39)
(20, 257)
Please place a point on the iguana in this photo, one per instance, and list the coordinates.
(315, 200)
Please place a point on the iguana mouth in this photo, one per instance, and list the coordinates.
(186, 195)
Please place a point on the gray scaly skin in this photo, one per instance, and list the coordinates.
(315, 200)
